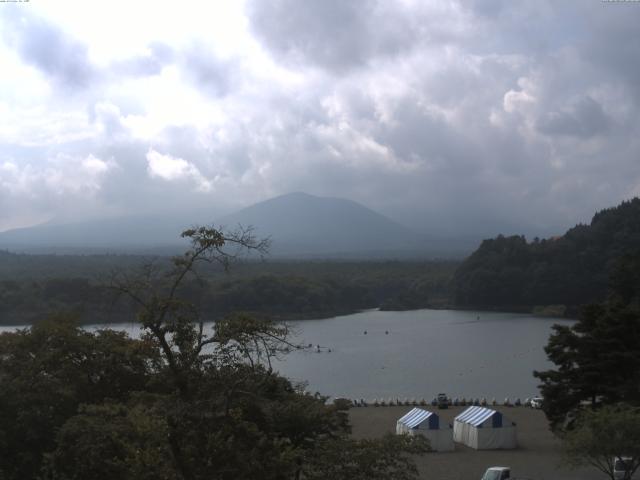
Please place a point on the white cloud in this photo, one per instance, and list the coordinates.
(35, 192)
(171, 168)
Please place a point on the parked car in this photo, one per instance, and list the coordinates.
(536, 402)
(500, 473)
(620, 467)
(497, 473)
(443, 401)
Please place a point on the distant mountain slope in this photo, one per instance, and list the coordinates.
(302, 224)
(299, 224)
(571, 270)
(129, 234)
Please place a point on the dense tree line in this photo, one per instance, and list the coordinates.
(571, 270)
(281, 289)
(180, 402)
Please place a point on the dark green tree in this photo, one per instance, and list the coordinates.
(598, 358)
(48, 371)
(571, 269)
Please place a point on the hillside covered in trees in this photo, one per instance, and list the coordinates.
(31, 286)
(566, 271)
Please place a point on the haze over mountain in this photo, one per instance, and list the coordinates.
(299, 225)
(125, 234)
(307, 225)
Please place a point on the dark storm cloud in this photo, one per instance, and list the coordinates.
(340, 35)
(490, 117)
(208, 72)
(585, 118)
(48, 48)
(488, 8)
(334, 33)
(614, 42)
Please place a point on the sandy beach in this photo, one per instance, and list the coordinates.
(538, 456)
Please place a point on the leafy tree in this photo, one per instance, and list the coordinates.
(47, 372)
(605, 436)
(180, 403)
(112, 440)
(365, 459)
(598, 358)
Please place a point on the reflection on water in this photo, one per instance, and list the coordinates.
(417, 354)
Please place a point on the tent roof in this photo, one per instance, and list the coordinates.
(475, 415)
(415, 417)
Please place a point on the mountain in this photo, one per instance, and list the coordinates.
(569, 270)
(126, 234)
(305, 225)
(299, 225)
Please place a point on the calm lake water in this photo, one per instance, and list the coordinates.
(418, 354)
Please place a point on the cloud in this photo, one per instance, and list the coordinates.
(208, 72)
(58, 176)
(480, 116)
(342, 35)
(583, 117)
(156, 56)
(170, 168)
(48, 48)
(38, 189)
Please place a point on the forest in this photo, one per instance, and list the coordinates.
(510, 273)
(546, 276)
(31, 286)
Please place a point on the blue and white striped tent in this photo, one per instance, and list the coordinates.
(484, 429)
(426, 423)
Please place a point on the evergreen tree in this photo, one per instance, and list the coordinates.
(598, 358)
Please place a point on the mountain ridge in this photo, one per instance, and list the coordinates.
(299, 224)
(304, 224)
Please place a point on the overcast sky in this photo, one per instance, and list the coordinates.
(483, 115)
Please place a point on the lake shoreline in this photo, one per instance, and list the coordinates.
(303, 318)
(549, 311)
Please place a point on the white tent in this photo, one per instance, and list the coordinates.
(423, 422)
(484, 429)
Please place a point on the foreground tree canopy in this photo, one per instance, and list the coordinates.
(178, 403)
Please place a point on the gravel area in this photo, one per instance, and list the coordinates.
(538, 456)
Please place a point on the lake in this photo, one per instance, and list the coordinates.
(419, 353)
(462, 353)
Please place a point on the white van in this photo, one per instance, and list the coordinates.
(620, 467)
(497, 473)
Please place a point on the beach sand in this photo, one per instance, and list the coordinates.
(538, 456)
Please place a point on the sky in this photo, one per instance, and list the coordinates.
(454, 117)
